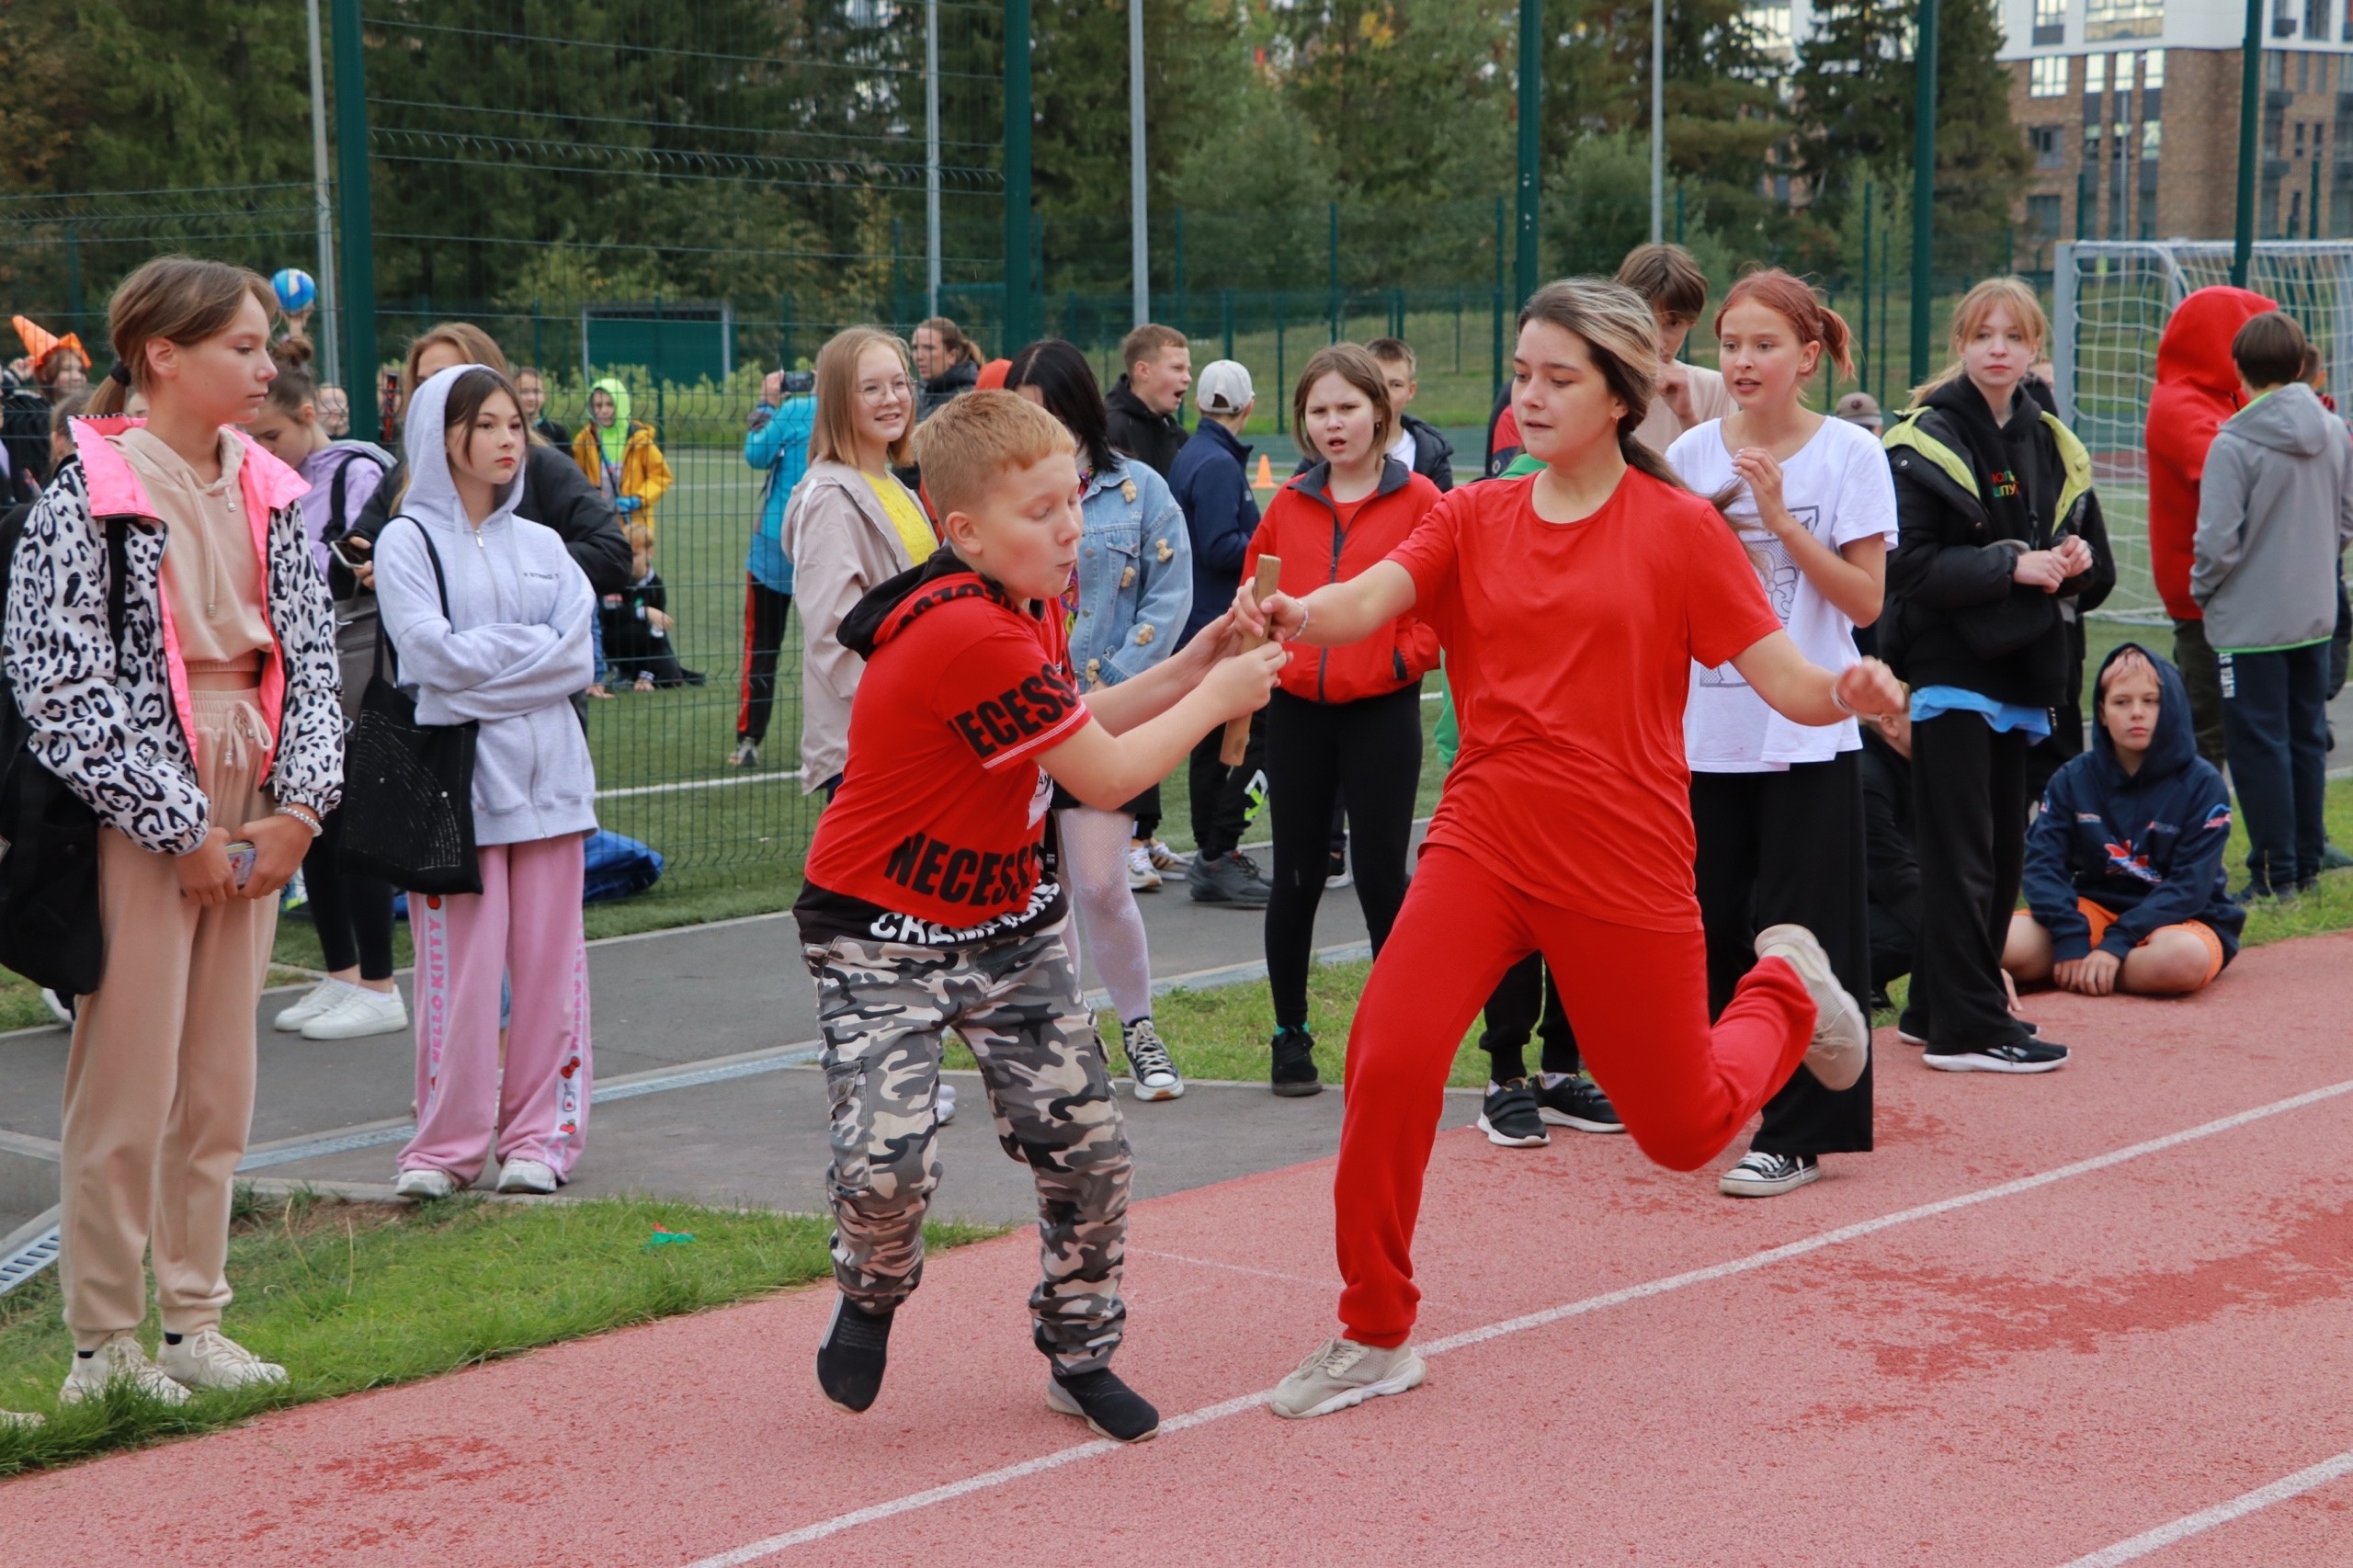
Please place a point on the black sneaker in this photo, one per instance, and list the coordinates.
(1294, 1071)
(851, 1357)
(2026, 1056)
(1109, 1407)
(1572, 1101)
(1509, 1117)
(1760, 1175)
(1231, 878)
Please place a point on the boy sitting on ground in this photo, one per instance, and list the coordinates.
(2125, 878)
(933, 900)
(637, 623)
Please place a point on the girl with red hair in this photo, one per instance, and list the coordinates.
(1777, 806)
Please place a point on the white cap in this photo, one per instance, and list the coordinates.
(1223, 387)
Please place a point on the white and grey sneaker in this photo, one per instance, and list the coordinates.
(357, 1012)
(1154, 1075)
(317, 1000)
(1142, 875)
(119, 1361)
(211, 1359)
(533, 1176)
(1341, 1373)
(945, 1105)
(1760, 1175)
(424, 1182)
(1842, 1030)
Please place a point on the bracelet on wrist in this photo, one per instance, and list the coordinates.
(1302, 619)
(305, 816)
(1839, 698)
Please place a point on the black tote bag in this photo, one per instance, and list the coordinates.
(407, 817)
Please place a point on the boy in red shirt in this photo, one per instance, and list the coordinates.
(933, 900)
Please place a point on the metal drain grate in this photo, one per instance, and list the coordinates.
(28, 1260)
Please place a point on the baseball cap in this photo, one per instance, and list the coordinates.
(1223, 387)
(1858, 408)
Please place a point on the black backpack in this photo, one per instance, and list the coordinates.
(49, 929)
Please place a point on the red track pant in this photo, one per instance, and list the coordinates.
(1638, 1000)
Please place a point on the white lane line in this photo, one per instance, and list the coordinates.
(758, 1549)
(728, 783)
(2205, 1520)
(1234, 1268)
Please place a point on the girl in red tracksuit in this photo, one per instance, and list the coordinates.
(1572, 605)
(1346, 721)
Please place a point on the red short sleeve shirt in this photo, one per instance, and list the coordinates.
(1569, 649)
(937, 835)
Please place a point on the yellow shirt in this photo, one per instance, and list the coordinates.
(906, 516)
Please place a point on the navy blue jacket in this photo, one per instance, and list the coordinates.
(1212, 485)
(2147, 845)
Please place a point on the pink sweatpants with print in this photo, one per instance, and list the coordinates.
(525, 926)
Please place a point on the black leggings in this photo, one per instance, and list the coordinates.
(1374, 747)
(354, 914)
(1788, 846)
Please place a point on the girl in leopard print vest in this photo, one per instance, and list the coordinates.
(209, 742)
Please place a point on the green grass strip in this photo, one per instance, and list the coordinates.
(354, 1295)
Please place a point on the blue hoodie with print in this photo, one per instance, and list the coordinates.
(2147, 846)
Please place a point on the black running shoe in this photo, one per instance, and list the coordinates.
(1109, 1407)
(1572, 1101)
(1509, 1117)
(1295, 1070)
(2026, 1056)
(1230, 879)
(851, 1357)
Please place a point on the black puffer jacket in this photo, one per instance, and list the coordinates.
(1151, 438)
(555, 495)
(954, 383)
(1971, 498)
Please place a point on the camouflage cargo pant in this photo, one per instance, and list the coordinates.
(882, 1007)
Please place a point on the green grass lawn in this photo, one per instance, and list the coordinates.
(350, 1296)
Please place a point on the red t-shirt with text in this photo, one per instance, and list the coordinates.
(1569, 649)
(937, 835)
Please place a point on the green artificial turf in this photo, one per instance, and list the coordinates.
(357, 1295)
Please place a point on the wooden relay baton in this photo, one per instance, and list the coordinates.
(1237, 730)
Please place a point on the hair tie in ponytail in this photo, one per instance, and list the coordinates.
(119, 371)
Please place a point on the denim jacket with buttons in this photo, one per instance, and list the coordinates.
(1135, 575)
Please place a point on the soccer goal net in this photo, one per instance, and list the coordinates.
(2111, 302)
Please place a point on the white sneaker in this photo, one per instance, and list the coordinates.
(318, 999)
(947, 1104)
(1151, 1074)
(119, 1361)
(359, 1012)
(1842, 1031)
(211, 1359)
(1142, 875)
(527, 1175)
(424, 1181)
(1163, 858)
(57, 1007)
(1341, 1373)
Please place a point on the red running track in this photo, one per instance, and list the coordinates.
(2050, 1317)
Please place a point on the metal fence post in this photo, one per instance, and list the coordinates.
(1868, 197)
(1225, 306)
(2250, 114)
(1179, 279)
(1531, 137)
(1923, 185)
(359, 272)
(537, 360)
(1333, 209)
(1281, 403)
(1017, 235)
(74, 281)
(1496, 309)
(661, 381)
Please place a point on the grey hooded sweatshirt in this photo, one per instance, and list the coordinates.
(512, 649)
(2275, 509)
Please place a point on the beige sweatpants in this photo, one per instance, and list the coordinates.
(159, 1087)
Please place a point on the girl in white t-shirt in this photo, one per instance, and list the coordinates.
(1777, 806)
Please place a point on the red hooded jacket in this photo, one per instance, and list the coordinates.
(1303, 532)
(2198, 387)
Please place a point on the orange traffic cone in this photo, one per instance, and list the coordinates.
(1266, 479)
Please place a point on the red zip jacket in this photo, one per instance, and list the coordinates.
(1303, 530)
(2198, 387)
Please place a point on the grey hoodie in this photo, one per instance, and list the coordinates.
(2275, 510)
(514, 648)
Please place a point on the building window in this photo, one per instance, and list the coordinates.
(2095, 74)
(2049, 149)
(2153, 68)
(2042, 217)
(1769, 25)
(2300, 138)
(2284, 19)
(2317, 20)
(2106, 19)
(2275, 70)
(2123, 73)
(2153, 138)
(2049, 21)
(2047, 77)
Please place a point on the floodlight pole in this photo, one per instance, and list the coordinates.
(930, 156)
(329, 334)
(1531, 140)
(1658, 120)
(2250, 117)
(1139, 216)
(1017, 235)
(1924, 183)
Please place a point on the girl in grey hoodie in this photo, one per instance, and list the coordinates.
(506, 651)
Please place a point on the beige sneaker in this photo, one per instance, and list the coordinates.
(119, 1361)
(211, 1359)
(1341, 1373)
(1842, 1031)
